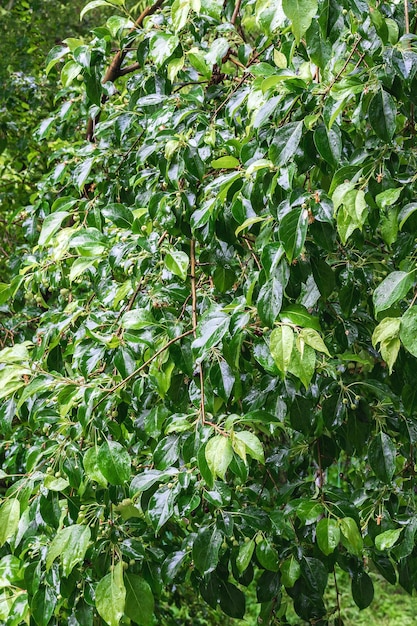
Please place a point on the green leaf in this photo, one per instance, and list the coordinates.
(232, 600)
(362, 590)
(328, 535)
(387, 539)
(206, 549)
(298, 315)
(113, 461)
(225, 162)
(219, 454)
(69, 72)
(94, 4)
(392, 289)
(405, 213)
(292, 232)
(50, 225)
(9, 519)
(329, 143)
(270, 301)
(43, 604)
(387, 335)
(351, 214)
(388, 197)
(161, 47)
(177, 262)
(244, 442)
(111, 595)
(301, 13)
(311, 338)
(382, 115)
(70, 544)
(54, 56)
(352, 537)
(281, 346)
(244, 556)
(267, 555)
(285, 143)
(139, 605)
(210, 330)
(408, 330)
(302, 364)
(381, 456)
(120, 215)
(161, 507)
(290, 572)
(91, 468)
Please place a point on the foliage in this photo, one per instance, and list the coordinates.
(209, 376)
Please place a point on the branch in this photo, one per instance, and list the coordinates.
(194, 317)
(236, 11)
(142, 367)
(115, 68)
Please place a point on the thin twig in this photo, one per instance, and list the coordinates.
(142, 367)
(346, 63)
(194, 318)
(406, 18)
(236, 11)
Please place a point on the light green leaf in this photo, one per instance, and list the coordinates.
(70, 71)
(408, 330)
(161, 47)
(392, 289)
(281, 346)
(387, 334)
(9, 519)
(351, 214)
(388, 197)
(219, 454)
(311, 337)
(94, 4)
(290, 571)
(177, 262)
(70, 544)
(179, 13)
(82, 171)
(225, 162)
(111, 595)
(387, 539)
(244, 442)
(250, 221)
(16, 354)
(302, 364)
(301, 13)
(50, 225)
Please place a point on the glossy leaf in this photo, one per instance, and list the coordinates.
(206, 548)
(300, 12)
(381, 456)
(9, 519)
(111, 595)
(113, 461)
(392, 289)
(70, 544)
(382, 115)
(408, 330)
(328, 535)
(139, 604)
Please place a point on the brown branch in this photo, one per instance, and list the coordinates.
(194, 318)
(129, 69)
(236, 11)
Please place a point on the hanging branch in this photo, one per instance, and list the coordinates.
(194, 318)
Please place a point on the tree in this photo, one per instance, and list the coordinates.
(208, 381)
